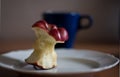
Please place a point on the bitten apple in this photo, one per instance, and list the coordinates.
(47, 35)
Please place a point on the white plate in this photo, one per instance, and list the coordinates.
(69, 61)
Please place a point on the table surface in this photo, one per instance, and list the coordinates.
(6, 46)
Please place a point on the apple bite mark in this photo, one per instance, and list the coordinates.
(47, 35)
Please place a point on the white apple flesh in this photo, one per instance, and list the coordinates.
(43, 55)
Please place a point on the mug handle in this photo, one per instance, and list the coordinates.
(86, 26)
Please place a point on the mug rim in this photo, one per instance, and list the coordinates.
(61, 12)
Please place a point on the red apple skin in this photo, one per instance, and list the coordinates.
(55, 33)
(53, 26)
(60, 34)
(63, 33)
(41, 24)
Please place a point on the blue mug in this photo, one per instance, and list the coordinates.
(71, 21)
